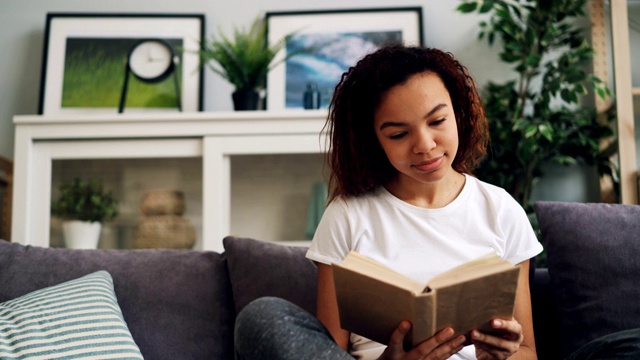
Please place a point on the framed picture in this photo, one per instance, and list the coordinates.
(339, 39)
(85, 66)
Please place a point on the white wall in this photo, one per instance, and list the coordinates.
(22, 24)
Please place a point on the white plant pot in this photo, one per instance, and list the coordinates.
(81, 234)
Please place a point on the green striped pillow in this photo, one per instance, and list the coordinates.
(78, 319)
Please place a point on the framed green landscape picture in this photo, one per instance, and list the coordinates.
(86, 63)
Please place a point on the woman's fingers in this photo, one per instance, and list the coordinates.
(499, 346)
(441, 346)
(397, 337)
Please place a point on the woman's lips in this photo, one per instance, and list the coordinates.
(429, 165)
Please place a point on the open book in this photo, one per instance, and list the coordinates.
(373, 299)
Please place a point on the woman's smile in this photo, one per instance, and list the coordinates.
(429, 165)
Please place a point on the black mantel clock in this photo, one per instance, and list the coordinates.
(150, 61)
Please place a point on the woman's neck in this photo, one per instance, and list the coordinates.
(427, 195)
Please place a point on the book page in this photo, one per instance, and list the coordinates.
(480, 267)
(473, 303)
(371, 268)
(370, 307)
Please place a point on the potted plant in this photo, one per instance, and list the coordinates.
(244, 60)
(538, 117)
(83, 206)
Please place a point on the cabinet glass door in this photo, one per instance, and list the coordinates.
(159, 200)
(276, 197)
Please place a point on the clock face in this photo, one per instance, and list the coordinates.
(150, 59)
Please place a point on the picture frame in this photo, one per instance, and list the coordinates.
(85, 63)
(339, 38)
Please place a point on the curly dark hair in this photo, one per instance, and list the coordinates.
(357, 161)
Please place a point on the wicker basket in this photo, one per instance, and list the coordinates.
(164, 231)
(162, 202)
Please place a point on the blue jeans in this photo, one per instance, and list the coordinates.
(272, 328)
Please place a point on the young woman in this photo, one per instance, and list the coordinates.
(407, 129)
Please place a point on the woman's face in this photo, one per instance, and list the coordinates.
(416, 127)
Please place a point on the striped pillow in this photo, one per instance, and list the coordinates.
(78, 319)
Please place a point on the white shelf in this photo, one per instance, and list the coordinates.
(213, 136)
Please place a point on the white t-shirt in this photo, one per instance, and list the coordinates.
(420, 242)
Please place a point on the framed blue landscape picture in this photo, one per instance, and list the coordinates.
(338, 39)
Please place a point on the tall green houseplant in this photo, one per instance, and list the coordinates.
(539, 117)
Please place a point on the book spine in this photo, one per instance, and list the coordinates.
(423, 326)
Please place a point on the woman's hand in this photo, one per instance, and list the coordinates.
(440, 346)
(498, 346)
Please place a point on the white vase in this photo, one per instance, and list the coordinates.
(81, 234)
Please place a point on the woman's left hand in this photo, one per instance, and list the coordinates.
(498, 346)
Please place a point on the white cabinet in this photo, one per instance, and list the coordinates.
(218, 138)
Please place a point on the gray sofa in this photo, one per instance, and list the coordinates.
(181, 304)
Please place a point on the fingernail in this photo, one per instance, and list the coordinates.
(497, 323)
(475, 334)
(448, 332)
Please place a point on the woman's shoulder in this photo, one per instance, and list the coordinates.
(497, 197)
(355, 208)
(352, 201)
(485, 186)
(488, 189)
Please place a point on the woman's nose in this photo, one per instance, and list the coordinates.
(424, 142)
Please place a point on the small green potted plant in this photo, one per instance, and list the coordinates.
(84, 206)
(244, 60)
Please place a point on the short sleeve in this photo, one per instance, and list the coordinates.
(332, 239)
(521, 242)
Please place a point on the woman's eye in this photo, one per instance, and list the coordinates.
(437, 122)
(397, 136)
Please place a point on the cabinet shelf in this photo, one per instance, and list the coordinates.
(216, 138)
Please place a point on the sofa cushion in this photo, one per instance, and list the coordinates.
(78, 318)
(176, 302)
(593, 254)
(259, 268)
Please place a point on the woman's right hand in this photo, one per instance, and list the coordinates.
(442, 345)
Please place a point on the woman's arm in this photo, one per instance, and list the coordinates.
(522, 313)
(519, 331)
(327, 311)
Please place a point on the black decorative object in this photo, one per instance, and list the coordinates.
(311, 98)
